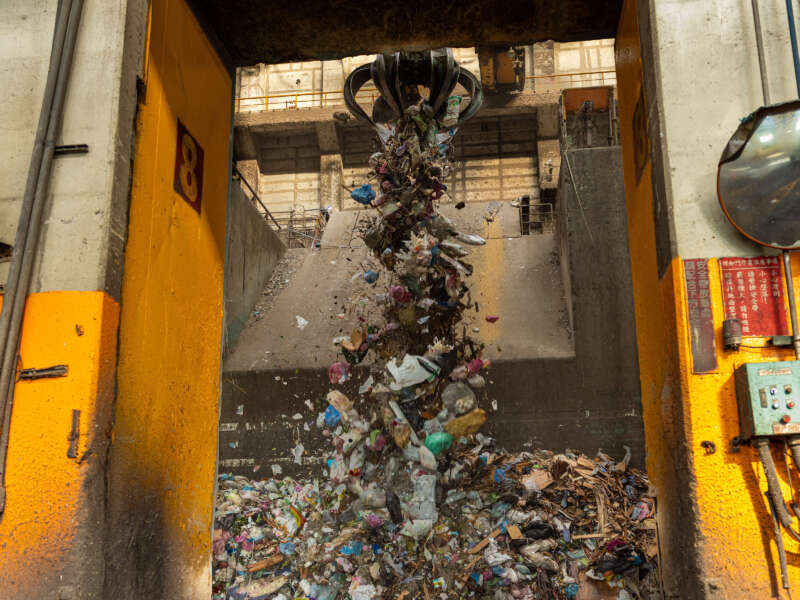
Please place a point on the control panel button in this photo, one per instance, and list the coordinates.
(785, 419)
(773, 390)
(790, 404)
(776, 405)
(787, 389)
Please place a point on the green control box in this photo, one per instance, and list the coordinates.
(769, 398)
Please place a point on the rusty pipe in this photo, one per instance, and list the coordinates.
(762, 445)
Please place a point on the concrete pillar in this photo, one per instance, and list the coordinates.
(52, 525)
(529, 70)
(687, 74)
(543, 64)
(330, 165)
(249, 170)
(330, 181)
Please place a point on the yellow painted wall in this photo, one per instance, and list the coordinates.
(654, 311)
(720, 496)
(164, 440)
(48, 503)
(733, 513)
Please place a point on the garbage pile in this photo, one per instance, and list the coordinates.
(485, 524)
(415, 501)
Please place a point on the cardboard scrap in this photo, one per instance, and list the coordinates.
(513, 532)
(427, 593)
(484, 542)
(588, 536)
(537, 480)
(588, 589)
(265, 563)
(356, 339)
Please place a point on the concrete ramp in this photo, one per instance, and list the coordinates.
(516, 278)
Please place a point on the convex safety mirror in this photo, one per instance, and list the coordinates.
(758, 181)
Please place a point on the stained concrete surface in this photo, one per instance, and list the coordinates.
(251, 31)
(86, 217)
(515, 277)
(253, 251)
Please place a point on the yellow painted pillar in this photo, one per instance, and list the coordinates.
(52, 516)
(716, 535)
(164, 449)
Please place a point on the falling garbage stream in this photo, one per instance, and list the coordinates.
(416, 502)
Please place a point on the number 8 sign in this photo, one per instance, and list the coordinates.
(188, 180)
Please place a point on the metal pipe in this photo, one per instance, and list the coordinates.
(793, 39)
(59, 33)
(787, 272)
(779, 543)
(252, 191)
(762, 65)
(32, 241)
(773, 487)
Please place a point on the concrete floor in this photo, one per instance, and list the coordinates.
(516, 277)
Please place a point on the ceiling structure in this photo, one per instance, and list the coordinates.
(255, 31)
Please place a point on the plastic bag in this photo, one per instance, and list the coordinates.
(411, 371)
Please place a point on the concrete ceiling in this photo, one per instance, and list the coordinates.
(253, 31)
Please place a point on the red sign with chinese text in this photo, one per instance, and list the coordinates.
(753, 293)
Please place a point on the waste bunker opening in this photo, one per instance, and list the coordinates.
(318, 385)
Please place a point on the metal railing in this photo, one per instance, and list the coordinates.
(535, 217)
(317, 99)
(301, 100)
(267, 213)
(301, 227)
(554, 82)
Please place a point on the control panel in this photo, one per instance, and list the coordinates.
(769, 398)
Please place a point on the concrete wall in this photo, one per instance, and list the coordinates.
(696, 46)
(85, 220)
(495, 158)
(253, 251)
(52, 524)
(311, 84)
(161, 473)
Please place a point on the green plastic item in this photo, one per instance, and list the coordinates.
(438, 442)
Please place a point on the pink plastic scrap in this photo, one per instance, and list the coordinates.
(400, 294)
(475, 365)
(338, 373)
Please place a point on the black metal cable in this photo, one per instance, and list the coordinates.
(762, 65)
(773, 487)
(793, 40)
(779, 544)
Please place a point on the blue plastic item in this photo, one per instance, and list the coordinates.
(352, 549)
(332, 416)
(287, 548)
(363, 194)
